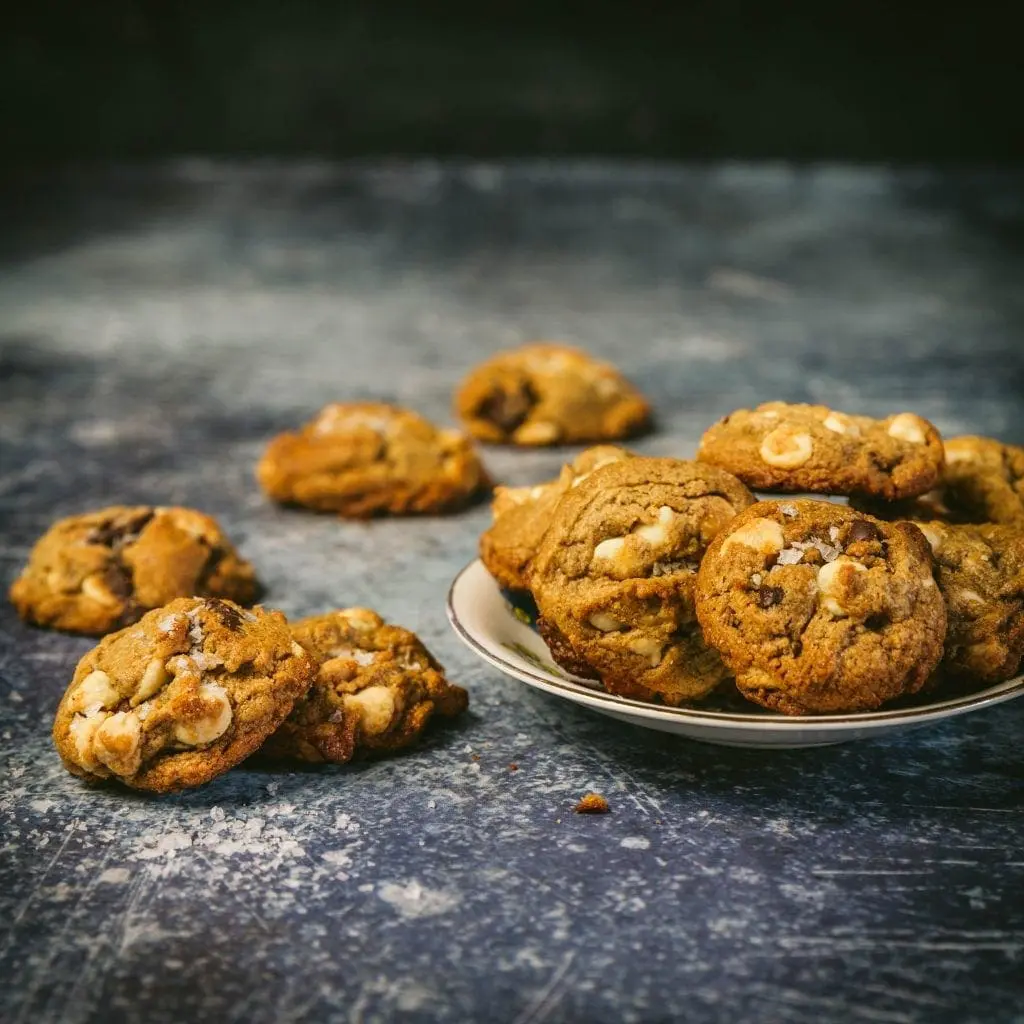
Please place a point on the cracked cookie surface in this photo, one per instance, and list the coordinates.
(615, 576)
(980, 572)
(819, 609)
(185, 694)
(103, 570)
(362, 459)
(522, 516)
(542, 394)
(377, 688)
(781, 447)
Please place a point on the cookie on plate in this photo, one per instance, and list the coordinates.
(819, 609)
(615, 575)
(179, 698)
(377, 688)
(780, 447)
(362, 459)
(980, 571)
(103, 570)
(523, 514)
(542, 394)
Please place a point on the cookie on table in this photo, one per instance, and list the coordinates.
(616, 574)
(362, 459)
(980, 572)
(781, 447)
(543, 394)
(103, 570)
(377, 687)
(820, 609)
(187, 693)
(523, 514)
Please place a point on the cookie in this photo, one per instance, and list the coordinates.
(523, 514)
(780, 447)
(980, 572)
(377, 688)
(819, 609)
(179, 698)
(616, 573)
(542, 394)
(101, 571)
(365, 458)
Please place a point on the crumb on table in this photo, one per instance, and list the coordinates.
(592, 803)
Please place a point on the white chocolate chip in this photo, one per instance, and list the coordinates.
(152, 679)
(298, 650)
(605, 622)
(540, 432)
(830, 584)
(785, 449)
(94, 692)
(839, 423)
(789, 511)
(82, 729)
(360, 657)
(652, 650)
(958, 452)
(932, 536)
(359, 619)
(763, 535)
(96, 590)
(610, 548)
(908, 427)
(117, 743)
(375, 707)
(971, 596)
(212, 724)
(657, 533)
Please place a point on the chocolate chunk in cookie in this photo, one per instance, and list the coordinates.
(376, 690)
(980, 572)
(182, 696)
(100, 571)
(780, 447)
(365, 458)
(543, 394)
(616, 573)
(852, 617)
(523, 514)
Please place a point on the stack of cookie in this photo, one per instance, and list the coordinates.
(670, 581)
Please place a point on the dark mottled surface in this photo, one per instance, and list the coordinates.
(156, 327)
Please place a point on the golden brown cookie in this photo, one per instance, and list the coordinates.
(179, 698)
(543, 394)
(616, 573)
(365, 458)
(523, 514)
(780, 447)
(819, 609)
(980, 571)
(100, 571)
(375, 692)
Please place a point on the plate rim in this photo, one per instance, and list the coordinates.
(602, 700)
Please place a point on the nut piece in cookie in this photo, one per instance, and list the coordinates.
(980, 572)
(780, 447)
(523, 514)
(185, 694)
(97, 572)
(375, 692)
(365, 458)
(542, 394)
(819, 609)
(616, 573)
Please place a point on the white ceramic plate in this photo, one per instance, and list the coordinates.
(487, 623)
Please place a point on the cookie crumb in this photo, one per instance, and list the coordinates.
(513, 767)
(474, 757)
(592, 803)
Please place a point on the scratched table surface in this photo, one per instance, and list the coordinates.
(158, 325)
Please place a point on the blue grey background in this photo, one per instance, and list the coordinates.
(157, 326)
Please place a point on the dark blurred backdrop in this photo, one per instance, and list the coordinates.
(736, 78)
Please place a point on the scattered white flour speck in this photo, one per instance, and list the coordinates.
(115, 876)
(413, 900)
(636, 843)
